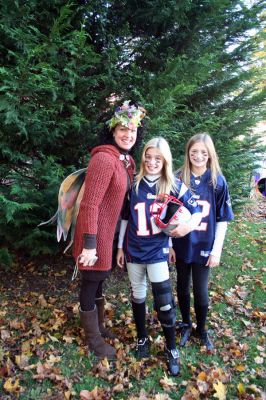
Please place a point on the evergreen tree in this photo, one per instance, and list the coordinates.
(48, 113)
(194, 65)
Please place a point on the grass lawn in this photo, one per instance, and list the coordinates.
(42, 355)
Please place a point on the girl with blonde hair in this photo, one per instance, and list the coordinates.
(201, 249)
(166, 182)
(212, 162)
(146, 247)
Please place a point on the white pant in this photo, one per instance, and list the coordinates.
(158, 272)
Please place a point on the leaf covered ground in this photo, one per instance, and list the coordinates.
(42, 354)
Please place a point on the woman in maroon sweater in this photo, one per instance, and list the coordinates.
(109, 177)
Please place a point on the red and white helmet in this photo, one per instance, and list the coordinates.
(168, 211)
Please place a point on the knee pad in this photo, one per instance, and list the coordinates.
(164, 303)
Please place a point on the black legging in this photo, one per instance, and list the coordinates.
(200, 278)
(89, 291)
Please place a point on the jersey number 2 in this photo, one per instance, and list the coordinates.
(205, 212)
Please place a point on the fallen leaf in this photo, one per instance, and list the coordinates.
(41, 340)
(86, 395)
(241, 388)
(203, 386)
(3, 372)
(159, 396)
(5, 334)
(52, 359)
(258, 360)
(22, 360)
(67, 394)
(191, 393)
(11, 385)
(118, 388)
(240, 367)
(42, 301)
(53, 338)
(68, 339)
(105, 363)
(75, 308)
(202, 376)
(220, 389)
(254, 388)
(95, 394)
(167, 383)
(25, 348)
(16, 324)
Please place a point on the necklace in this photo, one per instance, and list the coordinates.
(197, 180)
(126, 159)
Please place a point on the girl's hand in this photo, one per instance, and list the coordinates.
(88, 257)
(181, 230)
(120, 258)
(213, 261)
(172, 257)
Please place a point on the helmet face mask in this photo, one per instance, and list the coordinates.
(168, 211)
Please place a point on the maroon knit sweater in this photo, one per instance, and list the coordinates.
(105, 188)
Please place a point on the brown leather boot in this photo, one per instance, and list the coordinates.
(106, 333)
(93, 338)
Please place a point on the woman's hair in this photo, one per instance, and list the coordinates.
(166, 183)
(212, 164)
(106, 134)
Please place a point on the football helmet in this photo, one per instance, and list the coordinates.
(168, 211)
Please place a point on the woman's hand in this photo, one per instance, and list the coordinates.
(172, 257)
(120, 258)
(88, 257)
(213, 261)
(182, 229)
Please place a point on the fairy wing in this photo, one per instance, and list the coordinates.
(69, 198)
(69, 193)
(75, 211)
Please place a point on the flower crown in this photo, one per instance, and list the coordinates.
(126, 115)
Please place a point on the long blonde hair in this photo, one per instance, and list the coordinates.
(166, 183)
(212, 164)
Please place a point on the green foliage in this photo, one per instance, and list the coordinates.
(196, 66)
(5, 258)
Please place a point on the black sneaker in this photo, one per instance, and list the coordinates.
(143, 348)
(173, 361)
(185, 334)
(206, 341)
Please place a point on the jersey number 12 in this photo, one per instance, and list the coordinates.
(142, 221)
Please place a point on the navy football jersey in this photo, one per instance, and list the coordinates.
(215, 207)
(144, 242)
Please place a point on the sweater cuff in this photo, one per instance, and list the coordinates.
(89, 241)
